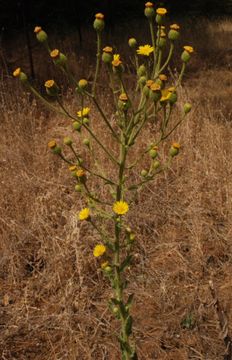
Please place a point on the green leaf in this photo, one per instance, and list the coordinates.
(125, 263)
(128, 325)
(129, 301)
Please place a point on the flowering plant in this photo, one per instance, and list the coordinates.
(153, 101)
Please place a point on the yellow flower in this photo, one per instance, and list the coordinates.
(145, 50)
(52, 144)
(176, 146)
(149, 83)
(54, 53)
(116, 60)
(72, 167)
(175, 27)
(17, 72)
(84, 214)
(163, 77)
(189, 49)
(99, 250)
(99, 16)
(161, 11)
(149, 4)
(84, 112)
(166, 94)
(155, 87)
(108, 49)
(37, 29)
(123, 97)
(49, 84)
(120, 207)
(80, 173)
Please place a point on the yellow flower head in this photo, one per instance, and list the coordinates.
(189, 49)
(161, 11)
(108, 49)
(17, 72)
(175, 27)
(120, 207)
(49, 84)
(149, 83)
(166, 94)
(155, 87)
(99, 16)
(116, 60)
(80, 173)
(72, 167)
(172, 89)
(84, 214)
(54, 53)
(145, 50)
(123, 97)
(84, 112)
(37, 29)
(99, 250)
(52, 144)
(149, 4)
(163, 77)
(176, 146)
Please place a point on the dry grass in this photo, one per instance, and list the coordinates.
(53, 297)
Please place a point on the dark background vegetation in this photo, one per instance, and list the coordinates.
(13, 14)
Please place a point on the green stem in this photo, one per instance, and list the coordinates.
(98, 62)
(167, 60)
(153, 43)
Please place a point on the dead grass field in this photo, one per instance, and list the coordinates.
(53, 296)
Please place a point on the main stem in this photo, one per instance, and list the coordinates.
(118, 223)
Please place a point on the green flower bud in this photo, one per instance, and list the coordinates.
(57, 150)
(40, 34)
(86, 120)
(132, 42)
(132, 237)
(108, 269)
(77, 126)
(159, 19)
(173, 98)
(21, 75)
(58, 57)
(86, 142)
(144, 173)
(51, 88)
(185, 56)
(173, 35)
(99, 23)
(78, 188)
(187, 108)
(67, 141)
(146, 91)
(174, 150)
(107, 58)
(123, 102)
(162, 43)
(153, 153)
(142, 80)
(149, 11)
(141, 70)
(156, 164)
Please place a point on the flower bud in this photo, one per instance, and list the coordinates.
(51, 88)
(86, 142)
(78, 188)
(155, 93)
(153, 152)
(186, 54)
(58, 57)
(52, 144)
(173, 35)
(187, 108)
(144, 173)
(40, 34)
(142, 80)
(160, 13)
(132, 42)
(57, 150)
(149, 11)
(162, 42)
(107, 55)
(67, 141)
(99, 23)
(21, 75)
(83, 83)
(174, 150)
(77, 126)
(141, 70)
(156, 164)
(123, 102)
